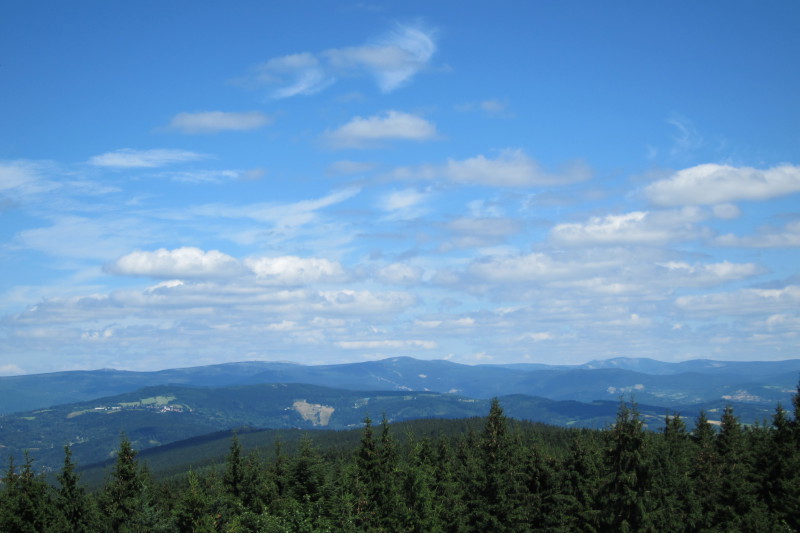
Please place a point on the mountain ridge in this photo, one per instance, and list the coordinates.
(666, 383)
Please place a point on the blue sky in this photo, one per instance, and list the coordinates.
(189, 183)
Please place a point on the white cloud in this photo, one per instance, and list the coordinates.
(491, 108)
(687, 139)
(363, 303)
(520, 268)
(726, 211)
(481, 231)
(186, 262)
(10, 370)
(216, 121)
(392, 61)
(716, 184)
(298, 74)
(743, 302)
(682, 274)
(101, 238)
(395, 344)
(392, 125)
(281, 215)
(405, 204)
(291, 270)
(399, 274)
(21, 178)
(128, 158)
(788, 236)
(511, 168)
(638, 227)
(349, 167)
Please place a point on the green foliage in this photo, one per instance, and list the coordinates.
(25, 502)
(625, 497)
(473, 475)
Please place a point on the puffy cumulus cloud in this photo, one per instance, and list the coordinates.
(787, 236)
(392, 61)
(291, 270)
(392, 125)
(399, 274)
(638, 227)
(743, 302)
(717, 184)
(383, 344)
(511, 168)
(185, 262)
(216, 121)
(128, 158)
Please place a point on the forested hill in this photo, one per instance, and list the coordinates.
(165, 414)
(493, 477)
(653, 382)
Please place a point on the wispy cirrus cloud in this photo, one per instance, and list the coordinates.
(391, 60)
(129, 158)
(23, 178)
(367, 132)
(217, 121)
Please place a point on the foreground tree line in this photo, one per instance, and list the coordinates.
(501, 478)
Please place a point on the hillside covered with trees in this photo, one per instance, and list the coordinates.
(499, 476)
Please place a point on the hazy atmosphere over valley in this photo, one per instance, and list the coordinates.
(187, 183)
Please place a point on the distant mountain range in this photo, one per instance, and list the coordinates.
(90, 409)
(650, 381)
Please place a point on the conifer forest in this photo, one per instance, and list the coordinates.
(500, 476)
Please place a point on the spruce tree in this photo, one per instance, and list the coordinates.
(367, 480)
(194, 509)
(677, 508)
(307, 478)
(736, 491)
(76, 511)
(127, 501)
(778, 464)
(25, 504)
(626, 492)
(497, 489)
